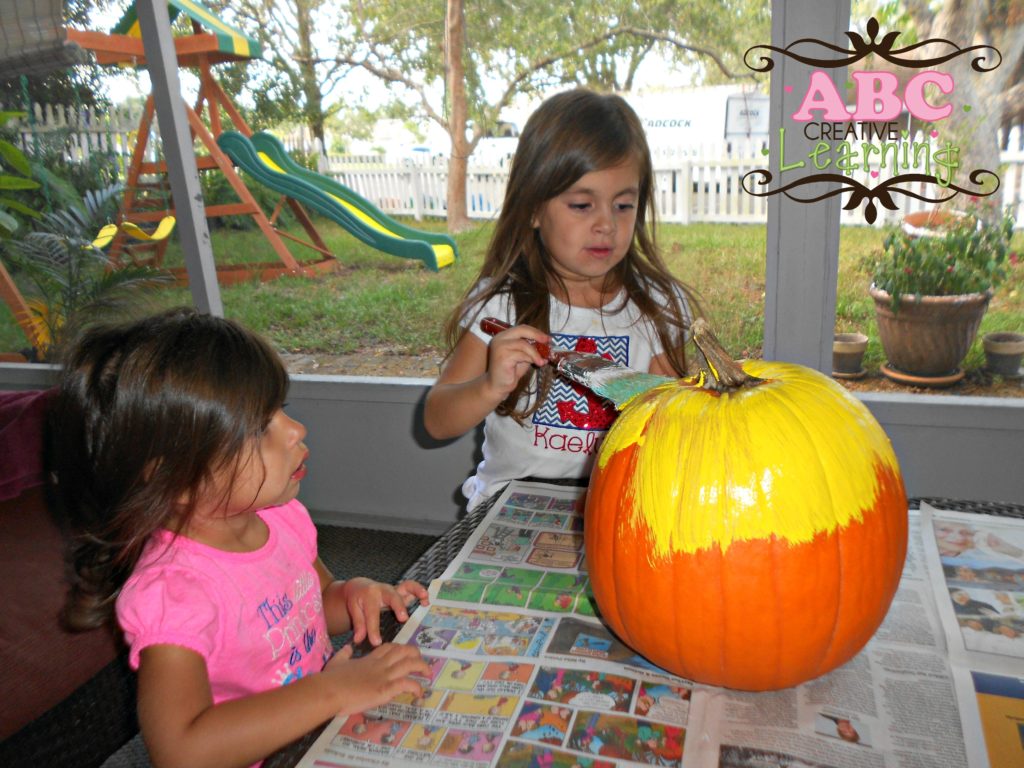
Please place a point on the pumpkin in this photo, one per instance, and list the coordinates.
(746, 527)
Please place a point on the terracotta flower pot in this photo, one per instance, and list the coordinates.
(848, 355)
(1004, 351)
(928, 338)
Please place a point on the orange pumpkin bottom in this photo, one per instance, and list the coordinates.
(763, 614)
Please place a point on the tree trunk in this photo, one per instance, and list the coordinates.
(972, 131)
(1013, 113)
(458, 114)
(978, 97)
(314, 112)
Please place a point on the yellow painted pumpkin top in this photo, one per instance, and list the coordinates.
(790, 458)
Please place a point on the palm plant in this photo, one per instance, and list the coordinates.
(69, 282)
(13, 159)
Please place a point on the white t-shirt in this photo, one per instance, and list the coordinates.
(560, 439)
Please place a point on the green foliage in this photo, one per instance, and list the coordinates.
(307, 160)
(967, 255)
(65, 181)
(295, 78)
(12, 158)
(511, 49)
(57, 181)
(68, 282)
(217, 190)
(81, 84)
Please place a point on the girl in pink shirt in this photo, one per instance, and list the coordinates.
(178, 470)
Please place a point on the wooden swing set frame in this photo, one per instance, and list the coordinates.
(199, 50)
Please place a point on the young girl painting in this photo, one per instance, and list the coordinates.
(573, 262)
(178, 469)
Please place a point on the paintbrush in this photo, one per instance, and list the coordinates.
(606, 378)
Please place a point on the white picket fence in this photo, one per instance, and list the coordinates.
(692, 184)
(82, 131)
(696, 184)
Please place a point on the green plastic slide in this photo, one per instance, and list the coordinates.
(264, 158)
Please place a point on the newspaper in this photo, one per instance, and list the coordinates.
(523, 672)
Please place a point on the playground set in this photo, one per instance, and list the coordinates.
(227, 144)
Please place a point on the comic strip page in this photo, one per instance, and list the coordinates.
(524, 673)
(527, 554)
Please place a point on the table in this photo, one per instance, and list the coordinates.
(435, 560)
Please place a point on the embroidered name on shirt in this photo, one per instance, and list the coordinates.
(554, 440)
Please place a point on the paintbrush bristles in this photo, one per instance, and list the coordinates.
(608, 379)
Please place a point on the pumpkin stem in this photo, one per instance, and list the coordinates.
(718, 371)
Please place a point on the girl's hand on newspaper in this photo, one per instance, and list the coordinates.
(376, 678)
(410, 592)
(365, 599)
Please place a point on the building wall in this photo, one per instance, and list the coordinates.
(372, 464)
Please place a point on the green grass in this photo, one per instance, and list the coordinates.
(378, 299)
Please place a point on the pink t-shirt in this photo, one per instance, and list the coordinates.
(256, 617)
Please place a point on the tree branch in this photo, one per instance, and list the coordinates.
(390, 75)
(665, 37)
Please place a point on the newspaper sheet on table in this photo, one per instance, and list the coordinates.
(523, 673)
(977, 562)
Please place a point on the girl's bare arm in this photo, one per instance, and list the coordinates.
(477, 377)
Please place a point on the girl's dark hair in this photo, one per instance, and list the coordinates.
(146, 414)
(570, 135)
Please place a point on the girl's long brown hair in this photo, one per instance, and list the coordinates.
(570, 135)
(146, 414)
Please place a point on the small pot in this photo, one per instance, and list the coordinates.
(1003, 353)
(848, 355)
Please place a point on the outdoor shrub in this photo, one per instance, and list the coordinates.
(15, 173)
(62, 178)
(965, 255)
(218, 191)
(68, 282)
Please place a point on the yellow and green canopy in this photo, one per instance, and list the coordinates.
(230, 40)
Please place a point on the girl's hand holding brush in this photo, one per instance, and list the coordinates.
(512, 353)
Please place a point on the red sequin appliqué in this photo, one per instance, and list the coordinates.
(600, 413)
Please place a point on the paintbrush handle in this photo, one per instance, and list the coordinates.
(493, 326)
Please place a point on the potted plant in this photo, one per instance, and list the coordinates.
(931, 288)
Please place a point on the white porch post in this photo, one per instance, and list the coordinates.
(803, 239)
